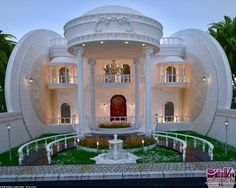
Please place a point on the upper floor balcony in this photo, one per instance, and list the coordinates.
(120, 80)
(62, 73)
(173, 71)
(173, 80)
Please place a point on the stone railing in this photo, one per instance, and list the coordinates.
(195, 140)
(173, 119)
(182, 143)
(173, 78)
(114, 78)
(61, 121)
(49, 147)
(37, 144)
(63, 79)
(171, 41)
(58, 42)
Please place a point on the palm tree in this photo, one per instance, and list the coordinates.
(6, 47)
(225, 33)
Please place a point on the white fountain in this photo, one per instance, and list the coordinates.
(116, 154)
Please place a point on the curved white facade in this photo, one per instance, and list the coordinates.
(119, 72)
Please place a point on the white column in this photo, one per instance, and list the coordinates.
(92, 94)
(148, 51)
(137, 93)
(80, 90)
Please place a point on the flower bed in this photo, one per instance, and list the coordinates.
(115, 124)
(129, 142)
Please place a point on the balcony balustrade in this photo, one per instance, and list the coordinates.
(114, 79)
(62, 81)
(173, 80)
(171, 41)
(63, 121)
(173, 119)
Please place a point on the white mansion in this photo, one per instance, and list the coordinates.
(114, 68)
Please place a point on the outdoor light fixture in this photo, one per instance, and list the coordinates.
(226, 122)
(126, 42)
(204, 78)
(9, 139)
(30, 79)
(101, 42)
(156, 116)
(83, 44)
(226, 139)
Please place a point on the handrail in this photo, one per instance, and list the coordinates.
(172, 119)
(114, 78)
(183, 144)
(49, 146)
(210, 145)
(21, 149)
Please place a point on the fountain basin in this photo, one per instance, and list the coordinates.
(116, 154)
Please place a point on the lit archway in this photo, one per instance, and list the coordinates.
(169, 111)
(65, 113)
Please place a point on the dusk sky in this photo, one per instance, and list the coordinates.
(18, 17)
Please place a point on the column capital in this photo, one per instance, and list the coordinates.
(92, 61)
(78, 51)
(148, 50)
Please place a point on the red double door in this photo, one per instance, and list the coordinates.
(118, 108)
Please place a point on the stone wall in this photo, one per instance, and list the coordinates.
(18, 131)
(218, 130)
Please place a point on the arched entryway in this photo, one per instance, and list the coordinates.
(118, 109)
(169, 111)
(65, 113)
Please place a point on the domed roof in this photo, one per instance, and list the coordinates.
(172, 60)
(112, 9)
(63, 60)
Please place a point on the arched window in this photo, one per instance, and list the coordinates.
(169, 111)
(65, 113)
(64, 75)
(170, 74)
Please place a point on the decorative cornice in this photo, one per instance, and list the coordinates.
(107, 20)
(113, 36)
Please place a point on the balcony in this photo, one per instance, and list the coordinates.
(111, 80)
(172, 80)
(173, 119)
(62, 121)
(62, 81)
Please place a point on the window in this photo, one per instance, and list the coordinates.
(170, 74)
(64, 75)
(169, 111)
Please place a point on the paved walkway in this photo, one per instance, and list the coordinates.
(115, 171)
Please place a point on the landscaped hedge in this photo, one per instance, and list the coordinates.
(115, 124)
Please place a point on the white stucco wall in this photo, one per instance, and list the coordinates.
(218, 130)
(18, 132)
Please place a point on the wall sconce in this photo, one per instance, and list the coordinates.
(104, 107)
(30, 79)
(204, 78)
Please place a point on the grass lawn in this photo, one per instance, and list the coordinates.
(219, 147)
(74, 156)
(4, 157)
(157, 155)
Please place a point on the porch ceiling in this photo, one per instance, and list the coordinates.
(114, 49)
